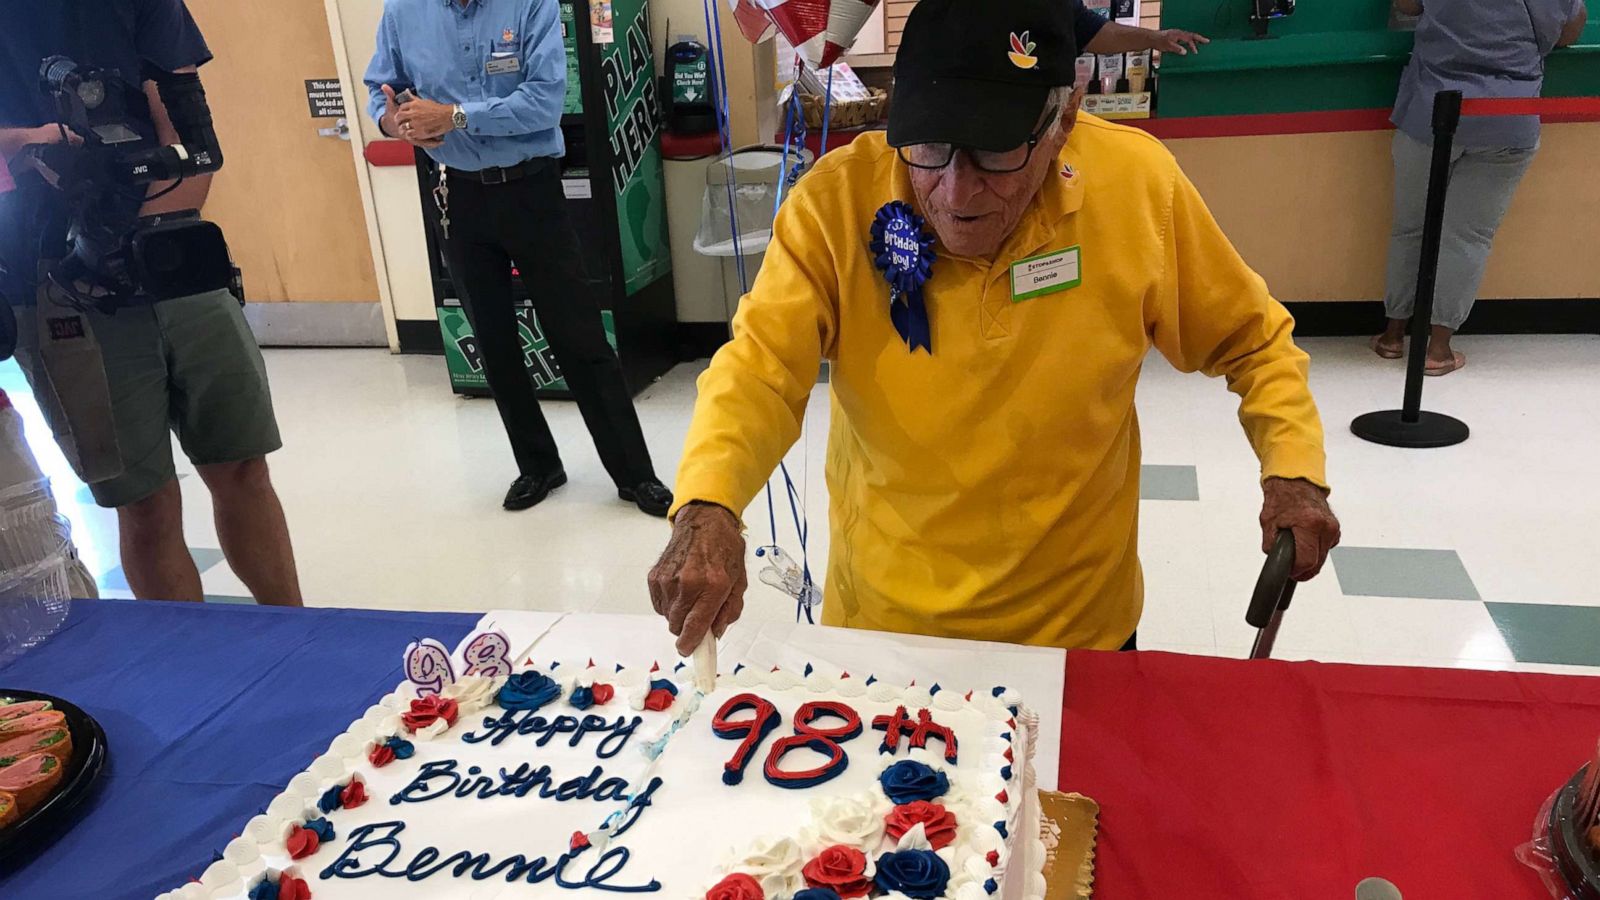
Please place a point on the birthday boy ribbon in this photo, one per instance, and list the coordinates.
(903, 250)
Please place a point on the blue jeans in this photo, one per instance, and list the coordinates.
(1482, 182)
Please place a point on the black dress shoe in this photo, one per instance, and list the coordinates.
(530, 489)
(651, 496)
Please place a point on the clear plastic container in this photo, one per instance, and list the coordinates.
(34, 601)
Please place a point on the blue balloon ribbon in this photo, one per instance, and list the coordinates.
(903, 250)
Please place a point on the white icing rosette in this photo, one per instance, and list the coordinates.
(328, 765)
(776, 864)
(948, 700)
(242, 851)
(294, 798)
(194, 890)
(431, 730)
(819, 683)
(917, 697)
(853, 821)
(222, 877)
(783, 680)
(376, 715)
(883, 692)
(747, 677)
(850, 687)
(972, 890)
(473, 693)
(351, 744)
(631, 677)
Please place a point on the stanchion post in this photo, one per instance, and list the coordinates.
(1446, 118)
(1409, 426)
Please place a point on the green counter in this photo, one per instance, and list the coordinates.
(1329, 55)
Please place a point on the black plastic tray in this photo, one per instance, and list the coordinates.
(1570, 847)
(46, 821)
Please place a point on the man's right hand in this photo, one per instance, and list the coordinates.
(699, 583)
(391, 126)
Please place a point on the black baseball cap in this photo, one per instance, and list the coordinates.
(976, 73)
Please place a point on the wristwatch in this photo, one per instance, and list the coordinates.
(458, 119)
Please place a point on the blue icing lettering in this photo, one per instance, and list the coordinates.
(383, 838)
(617, 731)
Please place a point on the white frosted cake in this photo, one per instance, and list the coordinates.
(566, 778)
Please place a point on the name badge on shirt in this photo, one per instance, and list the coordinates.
(502, 65)
(1045, 274)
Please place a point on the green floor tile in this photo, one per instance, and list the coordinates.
(1543, 633)
(1391, 572)
(1168, 483)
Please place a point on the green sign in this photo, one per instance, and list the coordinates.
(689, 82)
(465, 361)
(633, 117)
(569, 39)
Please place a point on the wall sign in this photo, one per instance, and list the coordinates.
(325, 96)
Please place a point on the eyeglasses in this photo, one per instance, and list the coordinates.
(995, 162)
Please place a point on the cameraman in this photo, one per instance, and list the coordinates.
(189, 364)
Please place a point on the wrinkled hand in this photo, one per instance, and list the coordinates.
(1176, 40)
(425, 119)
(391, 125)
(699, 582)
(1302, 507)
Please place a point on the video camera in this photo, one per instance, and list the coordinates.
(122, 258)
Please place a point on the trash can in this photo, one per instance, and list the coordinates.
(754, 174)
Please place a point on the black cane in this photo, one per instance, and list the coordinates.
(1410, 426)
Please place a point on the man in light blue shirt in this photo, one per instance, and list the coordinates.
(479, 85)
(1482, 48)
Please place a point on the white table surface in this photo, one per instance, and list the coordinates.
(1037, 672)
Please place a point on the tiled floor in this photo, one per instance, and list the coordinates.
(1480, 555)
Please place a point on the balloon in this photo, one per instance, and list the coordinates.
(820, 30)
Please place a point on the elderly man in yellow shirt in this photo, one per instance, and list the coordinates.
(986, 283)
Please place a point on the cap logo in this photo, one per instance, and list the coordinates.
(1022, 51)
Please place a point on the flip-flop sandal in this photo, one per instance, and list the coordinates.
(1458, 361)
(1386, 352)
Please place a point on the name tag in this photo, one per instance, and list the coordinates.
(503, 65)
(1045, 274)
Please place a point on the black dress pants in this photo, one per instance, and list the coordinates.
(525, 220)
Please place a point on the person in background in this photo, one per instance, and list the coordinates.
(479, 84)
(983, 459)
(20, 472)
(1097, 34)
(1482, 48)
(189, 364)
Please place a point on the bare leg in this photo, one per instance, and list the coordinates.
(154, 556)
(1442, 360)
(252, 530)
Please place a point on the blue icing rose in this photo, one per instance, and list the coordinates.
(919, 874)
(331, 799)
(582, 697)
(528, 691)
(265, 890)
(908, 780)
(402, 748)
(817, 893)
(323, 829)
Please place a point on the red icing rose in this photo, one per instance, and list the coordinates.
(659, 699)
(737, 886)
(993, 857)
(840, 868)
(578, 842)
(380, 755)
(354, 794)
(427, 710)
(292, 888)
(939, 823)
(302, 842)
(603, 693)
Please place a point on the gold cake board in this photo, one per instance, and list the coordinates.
(1070, 823)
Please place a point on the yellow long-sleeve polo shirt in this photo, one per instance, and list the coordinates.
(990, 490)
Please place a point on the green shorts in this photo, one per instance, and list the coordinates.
(190, 365)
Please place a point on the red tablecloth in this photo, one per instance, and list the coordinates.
(1238, 779)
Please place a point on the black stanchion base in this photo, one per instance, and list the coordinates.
(1430, 430)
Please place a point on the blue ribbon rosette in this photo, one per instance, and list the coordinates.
(903, 250)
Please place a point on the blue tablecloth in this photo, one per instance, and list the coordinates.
(209, 710)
